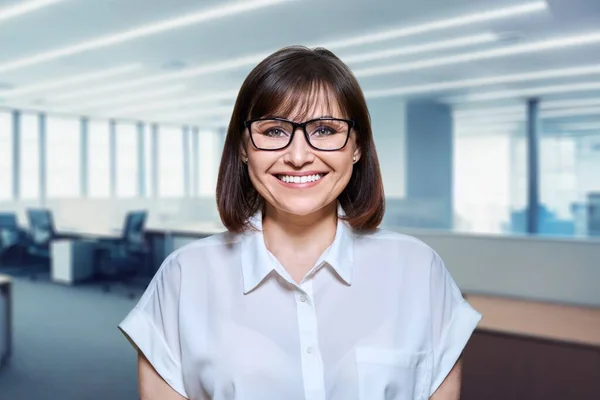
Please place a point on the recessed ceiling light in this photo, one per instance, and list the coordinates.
(24, 7)
(83, 78)
(175, 65)
(527, 48)
(142, 31)
(253, 59)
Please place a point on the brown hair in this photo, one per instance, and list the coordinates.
(275, 87)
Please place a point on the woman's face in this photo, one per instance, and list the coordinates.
(323, 174)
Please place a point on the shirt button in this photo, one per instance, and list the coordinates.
(303, 298)
(309, 350)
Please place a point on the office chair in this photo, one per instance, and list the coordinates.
(122, 260)
(42, 233)
(12, 239)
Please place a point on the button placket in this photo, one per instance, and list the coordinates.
(312, 365)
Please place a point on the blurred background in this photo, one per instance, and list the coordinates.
(486, 117)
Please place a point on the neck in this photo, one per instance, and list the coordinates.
(298, 241)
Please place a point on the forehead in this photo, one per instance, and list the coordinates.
(302, 105)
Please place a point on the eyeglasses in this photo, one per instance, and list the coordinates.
(325, 134)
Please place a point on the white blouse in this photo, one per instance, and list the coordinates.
(378, 317)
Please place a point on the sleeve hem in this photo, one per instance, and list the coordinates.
(460, 329)
(142, 332)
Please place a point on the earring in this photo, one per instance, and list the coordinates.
(246, 160)
(353, 158)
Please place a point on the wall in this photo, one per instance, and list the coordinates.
(429, 151)
(545, 269)
(388, 119)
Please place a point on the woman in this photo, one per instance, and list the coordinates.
(303, 297)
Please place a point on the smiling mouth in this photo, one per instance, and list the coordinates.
(300, 179)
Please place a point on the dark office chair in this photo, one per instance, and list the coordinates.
(12, 239)
(122, 260)
(41, 233)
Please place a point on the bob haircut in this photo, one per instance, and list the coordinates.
(288, 78)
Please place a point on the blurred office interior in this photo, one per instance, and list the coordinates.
(486, 117)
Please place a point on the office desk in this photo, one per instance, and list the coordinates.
(5, 319)
(532, 350)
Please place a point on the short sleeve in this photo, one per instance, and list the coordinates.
(453, 321)
(153, 324)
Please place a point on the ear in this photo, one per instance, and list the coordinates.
(356, 154)
(243, 151)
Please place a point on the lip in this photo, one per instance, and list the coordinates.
(303, 173)
(300, 185)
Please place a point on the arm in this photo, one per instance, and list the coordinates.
(450, 387)
(151, 385)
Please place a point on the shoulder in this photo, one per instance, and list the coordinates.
(395, 244)
(201, 252)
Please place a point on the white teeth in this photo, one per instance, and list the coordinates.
(300, 179)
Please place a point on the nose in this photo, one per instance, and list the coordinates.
(299, 153)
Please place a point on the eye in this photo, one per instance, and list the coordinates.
(274, 132)
(324, 131)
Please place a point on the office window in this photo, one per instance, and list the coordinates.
(484, 174)
(6, 159)
(170, 162)
(208, 163)
(127, 160)
(63, 137)
(30, 157)
(569, 176)
(98, 155)
(148, 161)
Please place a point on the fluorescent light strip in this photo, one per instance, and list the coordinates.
(464, 41)
(407, 90)
(24, 7)
(146, 30)
(491, 80)
(122, 100)
(575, 112)
(534, 91)
(519, 110)
(253, 59)
(421, 48)
(215, 111)
(572, 103)
(468, 19)
(83, 78)
(550, 44)
(131, 84)
(581, 126)
(178, 103)
(489, 111)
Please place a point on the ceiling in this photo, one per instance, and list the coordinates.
(190, 74)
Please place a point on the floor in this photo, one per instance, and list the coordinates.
(66, 343)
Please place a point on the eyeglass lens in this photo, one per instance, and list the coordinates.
(326, 134)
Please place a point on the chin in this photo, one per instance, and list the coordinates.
(301, 207)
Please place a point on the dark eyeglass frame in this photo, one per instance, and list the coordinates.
(296, 126)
